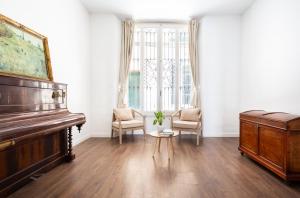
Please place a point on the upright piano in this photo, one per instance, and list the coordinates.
(35, 130)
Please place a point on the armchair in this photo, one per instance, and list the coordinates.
(188, 120)
(127, 119)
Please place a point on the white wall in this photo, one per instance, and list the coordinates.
(271, 56)
(85, 52)
(220, 59)
(267, 79)
(105, 56)
(66, 24)
(219, 74)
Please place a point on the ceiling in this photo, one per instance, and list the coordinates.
(166, 9)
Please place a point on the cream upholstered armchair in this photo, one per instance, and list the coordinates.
(127, 119)
(187, 120)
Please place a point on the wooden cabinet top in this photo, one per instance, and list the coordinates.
(274, 119)
(253, 113)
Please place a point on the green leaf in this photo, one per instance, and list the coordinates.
(154, 122)
(159, 118)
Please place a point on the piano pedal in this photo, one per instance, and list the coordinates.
(35, 177)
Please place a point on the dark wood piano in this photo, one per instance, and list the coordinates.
(35, 130)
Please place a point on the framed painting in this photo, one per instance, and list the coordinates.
(23, 52)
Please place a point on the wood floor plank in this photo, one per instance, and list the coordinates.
(103, 168)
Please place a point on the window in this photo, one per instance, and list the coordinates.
(160, 74)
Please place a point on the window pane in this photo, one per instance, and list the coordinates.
(185, 77)
(134, 89)
(149, 74)
(168, 68)
(150, 69)
(134, 72)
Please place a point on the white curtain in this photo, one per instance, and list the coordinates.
(126, 53)
(194, 58)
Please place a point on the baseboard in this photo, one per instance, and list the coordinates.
(79, 140)
(204, 135)
(216, 134)
(222, 135)
(100, 135)
(140, 132)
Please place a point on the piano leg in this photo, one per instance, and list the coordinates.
(79, 127)
(70, 155)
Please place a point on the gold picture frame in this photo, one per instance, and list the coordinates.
(33, 42)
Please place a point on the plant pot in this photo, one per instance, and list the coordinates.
(160, 128)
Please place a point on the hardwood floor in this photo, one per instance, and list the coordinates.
(103, 168)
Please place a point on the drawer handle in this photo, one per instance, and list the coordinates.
(56, 94)
(6, 144)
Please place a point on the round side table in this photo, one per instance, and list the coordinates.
(168, 138)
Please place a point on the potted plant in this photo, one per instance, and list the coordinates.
(158, 120)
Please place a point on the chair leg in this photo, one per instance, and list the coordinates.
(159, 141)
(155, 147)
(144, 131)
(120, 136)
(171, 140)
(112, 133)
(168, 147)
(179, 135)
(198, 136)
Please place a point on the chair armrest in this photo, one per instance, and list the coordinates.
(200, 117)
(116, 119)
(138, 112)
(114, 116)
(199, 123)
(176, 113)
(119, 123)
(141, 115)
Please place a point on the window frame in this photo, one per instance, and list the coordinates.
(159, 98)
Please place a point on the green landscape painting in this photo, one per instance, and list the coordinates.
(21, 54)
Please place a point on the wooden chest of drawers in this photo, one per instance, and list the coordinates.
(273, 140)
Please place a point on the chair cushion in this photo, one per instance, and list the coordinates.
(129, 124)
(190, 114)
(123, 114)
(185, 124)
